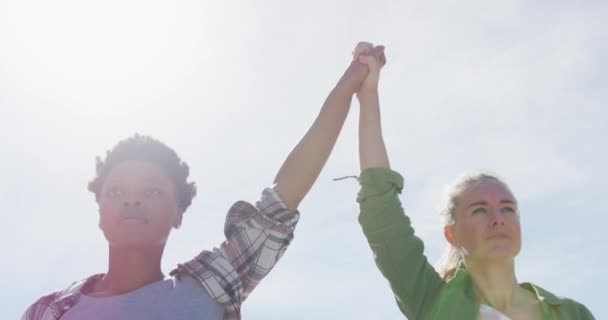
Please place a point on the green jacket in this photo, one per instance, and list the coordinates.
(419, 290)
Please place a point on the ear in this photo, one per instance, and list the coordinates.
(99, 223)
(178, 219)
(448, 232)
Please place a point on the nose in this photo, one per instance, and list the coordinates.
(135, 203)
(498, 220)
(132, 200)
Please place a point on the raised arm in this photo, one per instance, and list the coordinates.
(372, 151)
(257, 236)
(304, 163)
(398, 252)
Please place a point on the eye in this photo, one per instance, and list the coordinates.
(114, 192)
(152, 192)
(479, 210)
(508, 209)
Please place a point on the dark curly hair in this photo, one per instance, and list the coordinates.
(146, 148)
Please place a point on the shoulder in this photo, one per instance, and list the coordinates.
(53, 304)
(570, 307)
(41, 308)
(576, 308)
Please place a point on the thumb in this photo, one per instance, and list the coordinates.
(370, 61)
(378, 53)
(366, 59)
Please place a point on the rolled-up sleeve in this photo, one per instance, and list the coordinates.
(398, 252)
(256, 238)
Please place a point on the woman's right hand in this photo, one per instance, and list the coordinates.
(373, 57)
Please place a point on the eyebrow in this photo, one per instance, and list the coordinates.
(478, 203)
(157, 182)
(151, 181)
(113, 181)
(485, 203)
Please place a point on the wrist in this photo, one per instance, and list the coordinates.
(343, 90)
(366, 93)
(351, 80)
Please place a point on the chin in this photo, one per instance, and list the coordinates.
(134, 238)
(498, 253)
(501, 254)
(135, 242)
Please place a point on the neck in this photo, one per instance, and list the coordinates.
(496, 284)
(130, 269)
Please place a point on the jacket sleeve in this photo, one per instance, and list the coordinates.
(584, 313)
(398, 252)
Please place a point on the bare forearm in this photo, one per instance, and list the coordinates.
(303, 165)
(372, 151)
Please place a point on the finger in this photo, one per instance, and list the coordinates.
(382, 58)
(371, 62)
(378, 53)
(362, 48)
(360, 51)
(366, 59)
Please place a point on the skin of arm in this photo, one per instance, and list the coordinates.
(303, 165)
(372, 151)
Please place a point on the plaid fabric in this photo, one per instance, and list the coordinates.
(256, 238)
(54, 305)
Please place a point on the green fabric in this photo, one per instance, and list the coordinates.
(419, 290)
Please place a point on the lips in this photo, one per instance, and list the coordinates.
(133, 220)
(499, 236)
(133, 216)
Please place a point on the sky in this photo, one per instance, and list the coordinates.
(515, 87)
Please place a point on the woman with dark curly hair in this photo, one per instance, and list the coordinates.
(142, 190)
(477, 277)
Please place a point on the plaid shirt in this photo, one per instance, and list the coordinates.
(256, 240)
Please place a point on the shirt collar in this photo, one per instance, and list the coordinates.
(71, 293)
(540, 293)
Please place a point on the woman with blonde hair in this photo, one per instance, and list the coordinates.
(476, 279)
